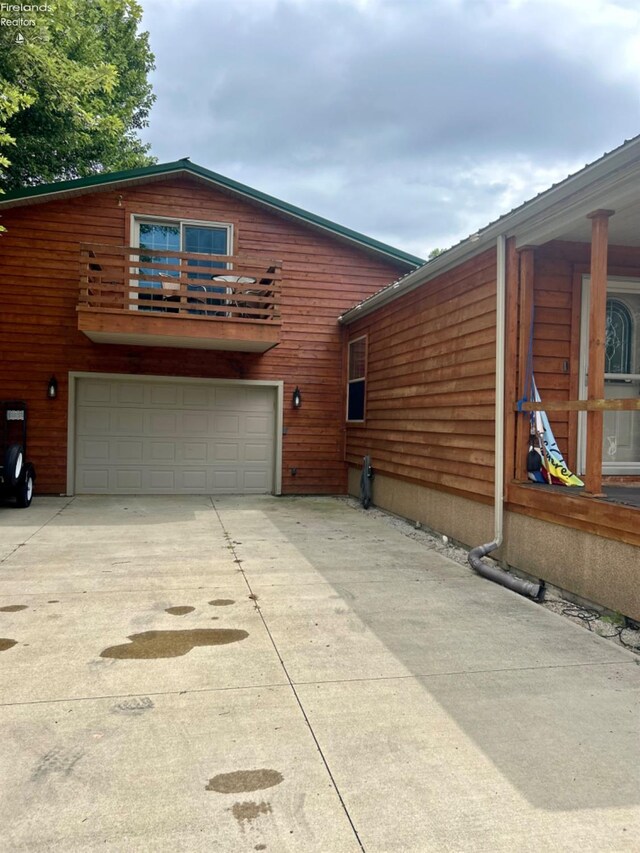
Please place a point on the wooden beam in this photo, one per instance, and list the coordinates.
(575, 509)
(624, 404)
(525, 315)
(597, 343)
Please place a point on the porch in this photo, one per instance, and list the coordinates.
(150, 297)
(573, 322)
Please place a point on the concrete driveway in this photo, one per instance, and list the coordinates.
(290, 674)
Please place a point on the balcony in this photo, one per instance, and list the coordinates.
(147, 297)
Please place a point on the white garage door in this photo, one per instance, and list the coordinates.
(164, 437)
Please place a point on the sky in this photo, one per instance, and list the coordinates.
(416, 122)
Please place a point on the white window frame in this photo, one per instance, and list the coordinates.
(364, 338)
(617, 284)
(137, 219)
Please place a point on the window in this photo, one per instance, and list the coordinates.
(180, 236)
(619, 326)
(356, 388)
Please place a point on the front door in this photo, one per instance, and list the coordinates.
(621, 444)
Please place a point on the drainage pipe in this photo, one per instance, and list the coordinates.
(476, 562)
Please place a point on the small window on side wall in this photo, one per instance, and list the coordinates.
(356, 387)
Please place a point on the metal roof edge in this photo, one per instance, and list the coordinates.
(45, 192)
(605, 169)
(412, 280)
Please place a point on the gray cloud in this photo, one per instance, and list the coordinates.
(413, 122)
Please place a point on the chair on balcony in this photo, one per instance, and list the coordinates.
(103, 294)
(169, 286)
(253, 307)
(221, 287)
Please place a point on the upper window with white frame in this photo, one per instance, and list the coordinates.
(357, 380)
(174, 236)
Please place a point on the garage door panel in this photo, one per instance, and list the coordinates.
(229, 397)
(254, 481)
(128, 479)
(198, 397)
(127, 422)
(162, 423)
(223, 452)
(94, 480)
(256, 425)
(164, 395)
(94, 421)
(130, 393)
(94, 451)
(226, 424)
(225, 481)
(131, 450)
(195, 480)
(162, 451)
(147, 440)
(94, 392)
(161, 480)
(194, 451)
(195, 423)
(259, 399)
(256, 452)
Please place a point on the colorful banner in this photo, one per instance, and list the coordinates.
(553, 469)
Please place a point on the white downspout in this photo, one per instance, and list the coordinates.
(475, 555)
(501, 298)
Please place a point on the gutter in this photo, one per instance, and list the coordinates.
(494, 573)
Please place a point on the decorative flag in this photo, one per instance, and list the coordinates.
(549, 466)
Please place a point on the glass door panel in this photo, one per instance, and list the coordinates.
(205, 240)
(159, 236)
(621, 445)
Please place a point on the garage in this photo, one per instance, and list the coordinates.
(137, 435)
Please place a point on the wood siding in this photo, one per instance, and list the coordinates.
(431, 382)
(39, 278)
(430, 392)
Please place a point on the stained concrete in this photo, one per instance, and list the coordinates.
(397, 701)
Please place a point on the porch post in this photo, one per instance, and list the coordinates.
(597, 344)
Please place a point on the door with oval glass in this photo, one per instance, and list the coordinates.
(621, 443)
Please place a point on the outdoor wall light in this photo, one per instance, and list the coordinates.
(297, 398)
(52, 388)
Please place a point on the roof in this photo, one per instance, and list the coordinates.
(65, 189)
(539, 218)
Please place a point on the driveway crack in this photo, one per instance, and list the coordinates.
(35, 532)
(254, 598)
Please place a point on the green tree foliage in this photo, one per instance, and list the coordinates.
(74, 93)
(434, 253)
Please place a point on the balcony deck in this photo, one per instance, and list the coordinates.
(146, 297)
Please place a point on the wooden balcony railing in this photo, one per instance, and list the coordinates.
(222, 288)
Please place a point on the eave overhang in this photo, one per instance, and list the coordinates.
(613, 181)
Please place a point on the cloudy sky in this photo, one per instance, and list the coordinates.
(414, 121)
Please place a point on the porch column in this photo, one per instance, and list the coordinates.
(597, 344)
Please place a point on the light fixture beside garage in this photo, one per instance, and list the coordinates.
(52, 388)
(297, 398)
